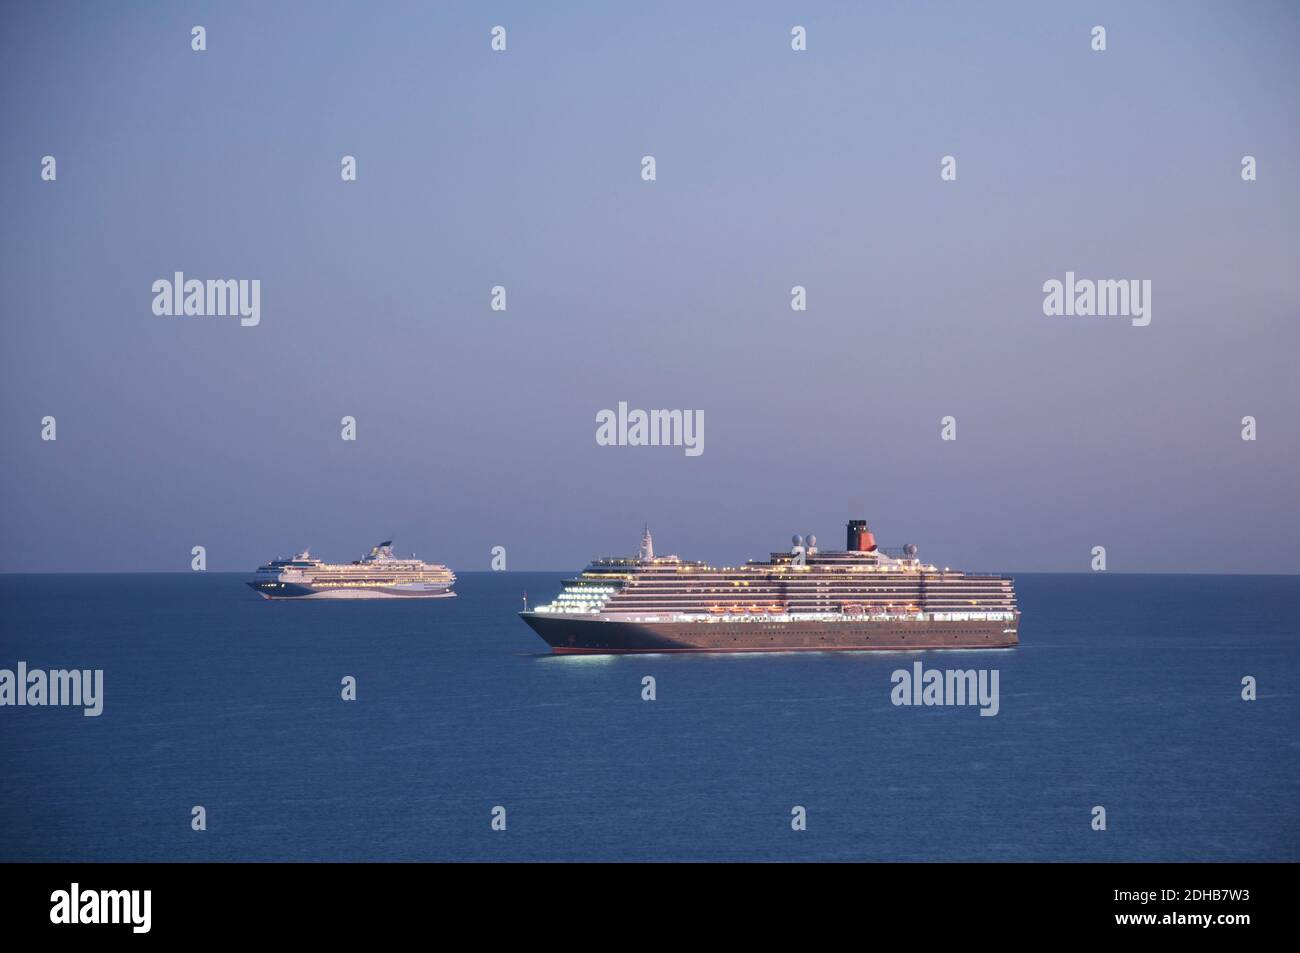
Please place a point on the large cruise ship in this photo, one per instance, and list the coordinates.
(379, 575)
(806, 599)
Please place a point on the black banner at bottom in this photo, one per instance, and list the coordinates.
(94, 902)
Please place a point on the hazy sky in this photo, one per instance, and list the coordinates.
(775, 168)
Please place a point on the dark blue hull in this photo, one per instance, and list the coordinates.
(292, 590)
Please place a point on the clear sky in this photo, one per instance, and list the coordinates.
(476, 428)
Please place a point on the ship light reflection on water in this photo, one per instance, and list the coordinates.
(581, 660)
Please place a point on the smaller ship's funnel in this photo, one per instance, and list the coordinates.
(860, 539)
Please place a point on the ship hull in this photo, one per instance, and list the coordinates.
(297, 591)
(579, 636)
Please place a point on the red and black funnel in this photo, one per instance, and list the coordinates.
(860, 539)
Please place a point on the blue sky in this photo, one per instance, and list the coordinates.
(476, 428)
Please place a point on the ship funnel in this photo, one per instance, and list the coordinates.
(860, 539)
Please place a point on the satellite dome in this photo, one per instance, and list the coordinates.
(812, 541)
(796, 540)
(910, 549)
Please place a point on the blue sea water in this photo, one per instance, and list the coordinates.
(1125, 693)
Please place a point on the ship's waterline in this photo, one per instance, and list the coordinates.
(379, 575)
(805, 600)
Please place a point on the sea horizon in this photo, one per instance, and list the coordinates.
(578, 569)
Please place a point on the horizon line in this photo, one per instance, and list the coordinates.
(508, 572)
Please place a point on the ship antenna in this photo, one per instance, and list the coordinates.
(525, 600)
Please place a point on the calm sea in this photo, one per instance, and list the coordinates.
(1125, 693)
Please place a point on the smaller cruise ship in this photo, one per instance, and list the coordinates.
(379, 575)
